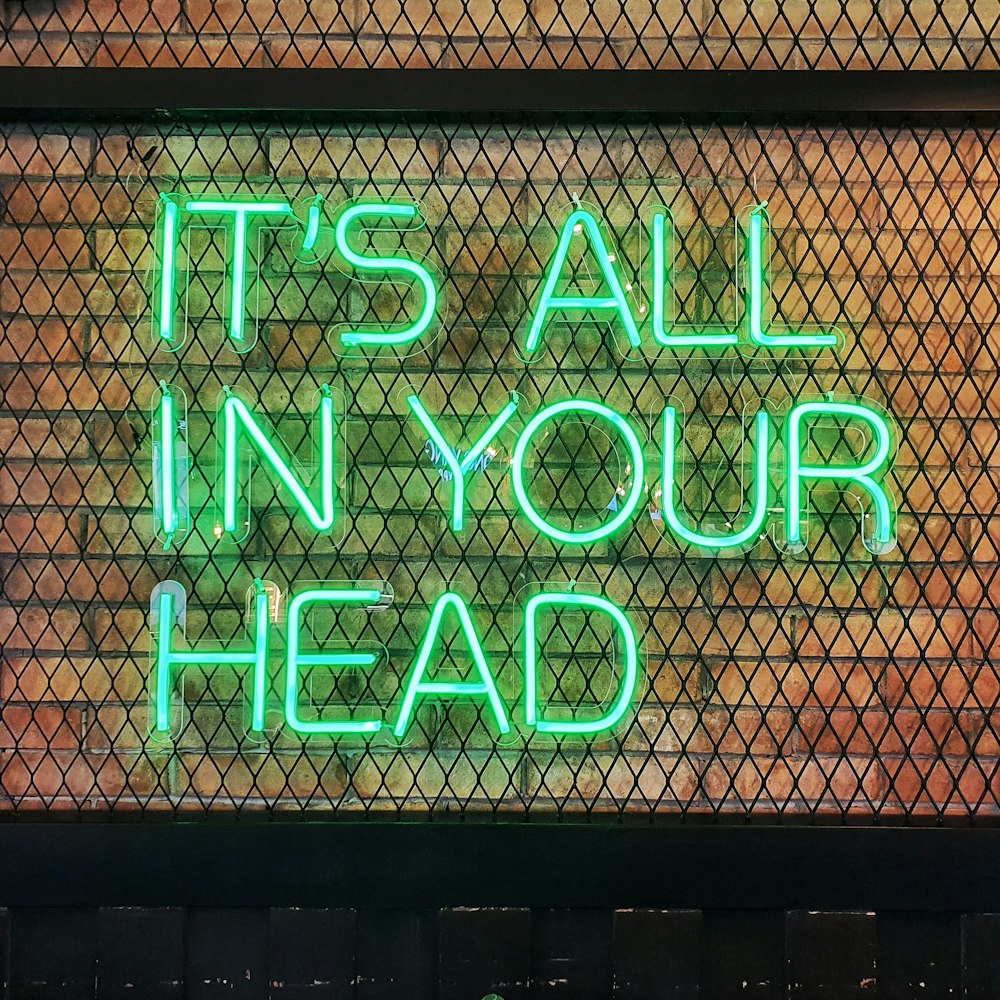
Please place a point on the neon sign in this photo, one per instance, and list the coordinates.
(782, 469)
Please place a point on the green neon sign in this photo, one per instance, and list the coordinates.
(666, 331)
(168, 661)
(168, 267)
(170, 466)
(403, 265)
(244, 432)
(626, 687)
(296, 659)
(418, 688)
(613, 302)
(800, 419)
(241, 213)
(759, 505)
(636, 460)
(581, 221)
(460, 466)
(758, 251)
(239, 423)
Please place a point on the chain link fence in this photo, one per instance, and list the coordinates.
(536, 34)
(823, 680)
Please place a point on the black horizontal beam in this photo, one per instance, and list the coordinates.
(438, 865)
(803, 94)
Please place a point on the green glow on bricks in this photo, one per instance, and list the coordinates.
(549, 301)
(628, 504)
(626, 690)
(417, 687)
(884, 535)
(296, 659)
(753, 527)
(386, 337)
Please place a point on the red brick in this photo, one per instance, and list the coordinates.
(39, 726)
(28, 154)
(366, 52)
(134, 16)
(27, 48)
(179, 48)
(74, 203)
(74, 580)
(365, 158)
(265, 777)
(56, 436)
(932, 786)
(37, 628)
(45, 532)
(40, 342)
(72, 678)
(49, 293)
(840, 730)
(915, 633)
(262, 17)
(726, 632)
(824, 682)
(44, 248)
(68, 779)
(954, 684)
(836, 781)
(212, 157)
(788, 584)
(81, 485)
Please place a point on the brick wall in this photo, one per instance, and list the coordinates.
(832, 682)
(640, 34)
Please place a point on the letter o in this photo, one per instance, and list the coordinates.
(628, 504)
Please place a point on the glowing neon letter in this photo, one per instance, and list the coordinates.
(236, 415)
(240, 211)
(759, 509)
(417, 271)
(758, 239)
(165, 470)
(549, 300)
(884, 535)
(417, 687)
(460, 468)
(168, 248)
(167, 659)
(664, 329)
(312, 225)
(628, 504)
(626, 689)
(296, 659)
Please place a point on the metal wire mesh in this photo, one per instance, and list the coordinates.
(639, 34)
(828, 683)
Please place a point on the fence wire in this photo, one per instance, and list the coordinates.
(638, 34)
(825, 682)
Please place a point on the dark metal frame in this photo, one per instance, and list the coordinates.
(389, 865)
(447, 864)
(783, 94)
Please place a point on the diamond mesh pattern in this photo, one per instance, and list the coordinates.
(830, 684)
(639, 34)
